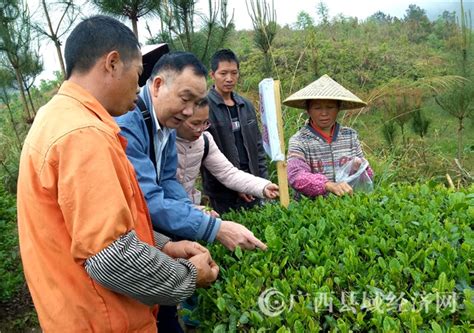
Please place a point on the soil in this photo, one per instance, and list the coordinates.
(18, 315)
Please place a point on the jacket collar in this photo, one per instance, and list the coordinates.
(148, 100)
(217, 98)
(178, 139)
(81, 95)
(314, 132)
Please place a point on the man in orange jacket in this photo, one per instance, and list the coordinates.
(91, 258)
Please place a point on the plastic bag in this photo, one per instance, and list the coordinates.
(358, 178)
(268, 109)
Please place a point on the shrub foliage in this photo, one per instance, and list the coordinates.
(399, 259)
(11, 274)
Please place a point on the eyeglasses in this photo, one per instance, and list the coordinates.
(200, 128)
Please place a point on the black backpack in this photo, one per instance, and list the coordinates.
(206, 147)
(149, 125)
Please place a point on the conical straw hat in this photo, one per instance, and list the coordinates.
(324, 88)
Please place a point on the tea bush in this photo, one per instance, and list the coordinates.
(398, 259)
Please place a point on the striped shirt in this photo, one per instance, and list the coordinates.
(312, 161)
(142, 272)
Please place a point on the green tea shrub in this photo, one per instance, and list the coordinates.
(398, 259)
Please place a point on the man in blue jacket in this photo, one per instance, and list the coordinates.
(176, 86)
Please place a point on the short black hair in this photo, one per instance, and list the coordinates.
(223, 55)
(176, 62)
(203, 102)
(94, 37)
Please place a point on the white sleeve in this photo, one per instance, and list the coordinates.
(233, 178)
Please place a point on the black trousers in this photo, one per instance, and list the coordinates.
(168, 320)
(222, 206)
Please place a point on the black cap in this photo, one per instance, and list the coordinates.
(150, 55)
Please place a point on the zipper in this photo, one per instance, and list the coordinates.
(240, 124)
(243, 138)
(333, 176)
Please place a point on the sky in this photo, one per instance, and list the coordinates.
(286, 12)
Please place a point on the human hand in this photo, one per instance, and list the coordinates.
(232, 234)
(183, 249)
(209, 211)
(271, 191)
(356, 163)
(338, 189)
(207, 269)
(246, 197)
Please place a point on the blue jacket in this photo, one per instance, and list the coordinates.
(170, 208)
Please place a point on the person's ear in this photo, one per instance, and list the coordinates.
(158, 82)
(112, 59)
(212, 75)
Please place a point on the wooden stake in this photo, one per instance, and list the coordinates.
(450, 181)
(281, 165)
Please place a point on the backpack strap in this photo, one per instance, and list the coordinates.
(149, 125)
(206, 147)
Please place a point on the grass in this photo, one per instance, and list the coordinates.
(17, 313)
(430, 157)
(441, 137)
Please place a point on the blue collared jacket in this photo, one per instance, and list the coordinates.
(171, 211)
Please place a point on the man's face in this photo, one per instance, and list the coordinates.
(176, 95)
(126, 85)
(192, 128)
(225, 77)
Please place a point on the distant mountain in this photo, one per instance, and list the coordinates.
(435, 9)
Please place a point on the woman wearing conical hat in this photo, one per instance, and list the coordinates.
(322, 147)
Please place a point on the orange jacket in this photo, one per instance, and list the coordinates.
(77, 193)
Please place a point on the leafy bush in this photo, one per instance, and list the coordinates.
(11, 275)
(398, 259)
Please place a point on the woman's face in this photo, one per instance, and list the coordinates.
(323, 112)
(192, 128)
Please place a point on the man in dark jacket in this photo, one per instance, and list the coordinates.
(235, 129)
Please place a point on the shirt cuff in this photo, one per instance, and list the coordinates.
(215, 230)
(192, 269)
(160, 240)
(209, 228)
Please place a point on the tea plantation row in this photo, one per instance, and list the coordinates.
(398, 259)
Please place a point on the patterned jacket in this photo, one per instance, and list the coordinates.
(312, 161)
